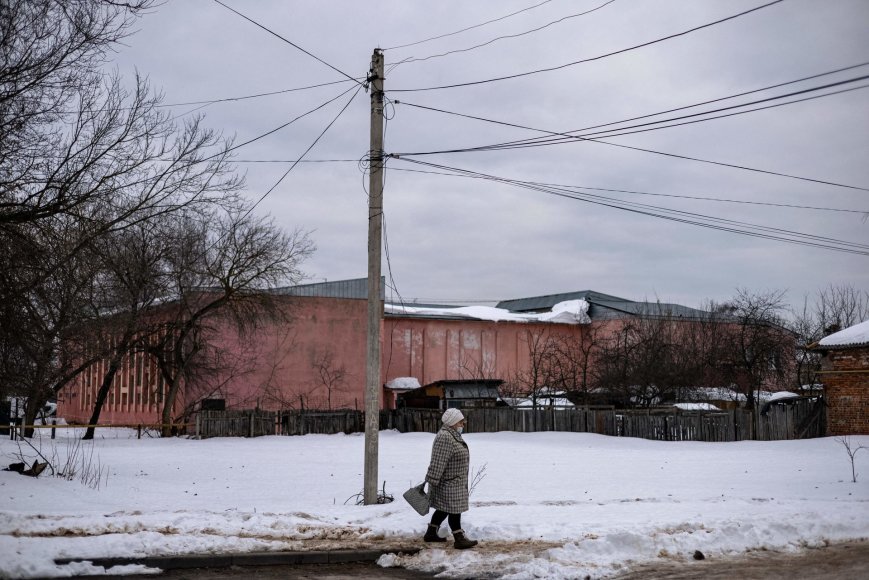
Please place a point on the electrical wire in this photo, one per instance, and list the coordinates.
(574, 63)
(709, 102)
(302, 156)
(620, 145)
(291, 43)
(570, 136)
(670, 195)
(507, 36)
(660, 124)
(295, 160)
(279, 127)
(691, 218)
(469, 27)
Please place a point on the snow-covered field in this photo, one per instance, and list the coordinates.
(550, 505)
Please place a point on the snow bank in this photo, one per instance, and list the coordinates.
(550, 505)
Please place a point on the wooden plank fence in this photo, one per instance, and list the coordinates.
(800, 418)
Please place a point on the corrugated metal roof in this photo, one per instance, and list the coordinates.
(603, 306)
(608, 309)
(355, 289)
(543, 303)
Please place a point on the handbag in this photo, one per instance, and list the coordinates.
(418, 499)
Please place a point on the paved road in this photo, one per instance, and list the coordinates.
(838, 562)
(350, 571)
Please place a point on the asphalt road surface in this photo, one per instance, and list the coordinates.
(837, 562)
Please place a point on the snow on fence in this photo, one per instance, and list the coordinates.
(794, 419)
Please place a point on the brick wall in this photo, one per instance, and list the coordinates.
(847, 392)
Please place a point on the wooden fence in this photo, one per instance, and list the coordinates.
(255, 423)
(797, 419)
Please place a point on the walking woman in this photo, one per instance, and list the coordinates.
(447, 479)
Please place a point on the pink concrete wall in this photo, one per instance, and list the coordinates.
(276, 368)
(437, 349)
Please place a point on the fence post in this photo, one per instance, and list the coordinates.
(250, 424)
(53, 423)
(139, 431)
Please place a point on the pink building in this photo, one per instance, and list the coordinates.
(317, 361)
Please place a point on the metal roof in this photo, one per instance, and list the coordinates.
(603, 306)
(614, 309)
(355, 289)
(543, 303)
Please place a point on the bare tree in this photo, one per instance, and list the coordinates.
(537, 379)
(330, 373)
(830, 309)
(129, 283)
(82, 158)
(757, 342)
(221, 272)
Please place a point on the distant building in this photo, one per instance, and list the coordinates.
(317, 360)
(845, 374)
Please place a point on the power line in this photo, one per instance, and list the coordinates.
(302, 156)
(206, 103)
(620, 145)
(506, 36)
(469, 27)
(279, 127)
(570, 136)
(701, 220)
(254, 96)
(709, 102)
(656, 125)
(549, 69)
(670, 195)
(295, 161)
(291, 43)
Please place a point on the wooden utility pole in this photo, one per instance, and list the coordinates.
(375, 226)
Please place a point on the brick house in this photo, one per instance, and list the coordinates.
(845, 374)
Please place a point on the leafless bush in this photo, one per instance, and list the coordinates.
(74, 462)
(476, 478)
(852, 451)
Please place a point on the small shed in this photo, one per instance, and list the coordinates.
(845, 374)
(461, 394)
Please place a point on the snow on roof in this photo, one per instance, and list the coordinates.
(568, 312)
(856, 335)
(778, 396)
(543, 402)
(403, 384)
(696, 407)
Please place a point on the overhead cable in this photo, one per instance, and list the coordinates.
(469, 27)
(279, 127)
(670, 195)
(569, 64)
(701, 220)
(290, 42)
(302, 156)
(620, 145)
(507, 36)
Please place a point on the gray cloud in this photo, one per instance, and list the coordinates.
(461, 238)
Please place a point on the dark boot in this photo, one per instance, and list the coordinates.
(462, 542)
(431, 534)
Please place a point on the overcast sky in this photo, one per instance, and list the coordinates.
(454, 238)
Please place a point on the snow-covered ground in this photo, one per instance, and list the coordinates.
(549, 505)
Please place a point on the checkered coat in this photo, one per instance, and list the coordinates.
(448, 472)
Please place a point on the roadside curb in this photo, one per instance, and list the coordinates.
(244, 559)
